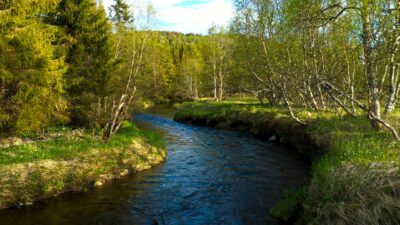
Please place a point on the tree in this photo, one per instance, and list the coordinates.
(221, 45)
(323, 55)
(120, 13)
(90, 56)
(132, 48)
(31, 67)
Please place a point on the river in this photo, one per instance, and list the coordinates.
(211, 177)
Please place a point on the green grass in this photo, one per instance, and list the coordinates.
(357, 178)
(352, 139)
(290, 204)
(67, 147)
(74, 161)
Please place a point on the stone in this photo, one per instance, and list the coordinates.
(124, 173)
(98, 183)
(273, 139)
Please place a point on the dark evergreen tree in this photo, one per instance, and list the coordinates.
(90, 57)
(120, 13)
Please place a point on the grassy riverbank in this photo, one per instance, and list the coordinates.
(355, 170)
(72, 161)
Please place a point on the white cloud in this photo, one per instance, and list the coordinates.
(187, 15)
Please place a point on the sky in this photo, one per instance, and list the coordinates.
(186, 16)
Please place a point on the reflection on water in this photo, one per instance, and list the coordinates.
(210, 177)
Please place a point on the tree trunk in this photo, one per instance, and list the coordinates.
(350, 81)
(370, 63)
(260, 97)
(393, 86)
(311, 94)
(220, 82)
(118, 111)
(215, 80)
(286, 99)
(308, 81)
(272, 92)
(391, 102)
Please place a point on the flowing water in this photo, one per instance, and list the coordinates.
(210, 177)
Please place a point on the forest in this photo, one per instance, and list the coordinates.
(68, 62)
(77, 65)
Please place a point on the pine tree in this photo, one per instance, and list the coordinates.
(120, 13)
(31, 67)
(90, 56)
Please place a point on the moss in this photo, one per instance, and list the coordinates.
(345, 184)
(45, 169)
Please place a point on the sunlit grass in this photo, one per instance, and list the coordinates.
(67, 147)
(351, 139)
(74, 161)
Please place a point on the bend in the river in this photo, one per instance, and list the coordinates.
(210, 177)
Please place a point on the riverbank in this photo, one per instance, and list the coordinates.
(73, 162)
(355, 170)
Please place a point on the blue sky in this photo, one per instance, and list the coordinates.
(185, 16)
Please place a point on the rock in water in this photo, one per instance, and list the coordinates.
(272, 139)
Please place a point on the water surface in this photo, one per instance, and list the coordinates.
(210, 177)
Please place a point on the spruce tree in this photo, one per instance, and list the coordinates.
(120, 13)
(90, 56)
(31, 67)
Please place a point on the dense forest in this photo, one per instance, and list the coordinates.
(69, 62)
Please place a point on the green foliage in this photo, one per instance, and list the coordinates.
(176, 66)
(120, 13)
(90, 56)
(31, 71)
